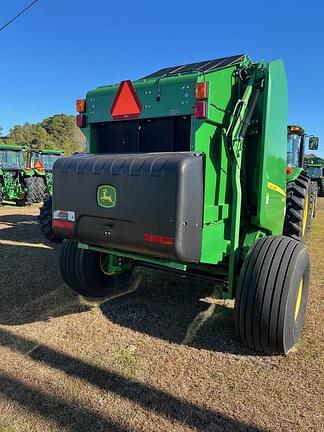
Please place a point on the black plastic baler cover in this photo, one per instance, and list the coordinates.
(151, 204)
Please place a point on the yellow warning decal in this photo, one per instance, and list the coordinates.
(276, 188)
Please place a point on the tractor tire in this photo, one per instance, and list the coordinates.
(40, 189)
(82, 271)
(30, 195)
(298, 212)
(272, 292)
(45, 221)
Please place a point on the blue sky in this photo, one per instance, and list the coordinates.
(61, 48)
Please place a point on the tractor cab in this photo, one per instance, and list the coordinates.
(297, 142)
(314, 167)
(43, 160)
(314, 172)
(11, 157)
(16, 180)
(298, 176)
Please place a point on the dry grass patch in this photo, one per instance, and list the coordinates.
(164, 358)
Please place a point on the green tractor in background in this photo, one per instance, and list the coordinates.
(16, 180)
(41, 161)
(301, 191)
(46, 158)
(314, 167)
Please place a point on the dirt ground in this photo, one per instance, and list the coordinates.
(164, 358)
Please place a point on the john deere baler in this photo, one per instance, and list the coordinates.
(186, 170)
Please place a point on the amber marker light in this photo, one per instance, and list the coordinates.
(202, 90)
(80, 106)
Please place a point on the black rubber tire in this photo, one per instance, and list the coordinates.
(267, 294)
(297, 202)
(39, 189)
(81, 271)
(31, 189)
(45, 221)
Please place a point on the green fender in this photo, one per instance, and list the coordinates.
(28, 172)
(39, 173)
(294, 174)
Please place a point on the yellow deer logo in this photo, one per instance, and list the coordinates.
(106, 196)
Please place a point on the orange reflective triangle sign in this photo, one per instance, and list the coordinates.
(38, 165)
(126, 103)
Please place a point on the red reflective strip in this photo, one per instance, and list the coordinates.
(62, 224)
(153, 238)
(167, 241)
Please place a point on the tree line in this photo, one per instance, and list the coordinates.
(56, 132)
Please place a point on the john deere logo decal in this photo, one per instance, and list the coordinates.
(106, 196)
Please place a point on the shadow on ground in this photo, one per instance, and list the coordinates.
(163, 306)
(31, 287)
(179, 310)
(74, 418)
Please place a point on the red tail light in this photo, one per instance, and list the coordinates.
(201, 110)
(62, 224)
(81, 120)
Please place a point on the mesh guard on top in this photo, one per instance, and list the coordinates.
(203, 66)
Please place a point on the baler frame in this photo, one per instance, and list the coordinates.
(212, 200)
(233, 138)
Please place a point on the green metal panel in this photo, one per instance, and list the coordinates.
(27, 172)
(272, 171)
(209, 139)
(135, 257)
(48, 151)
(39, 173)
(11, 147)
(236, 143)
(176, 98)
